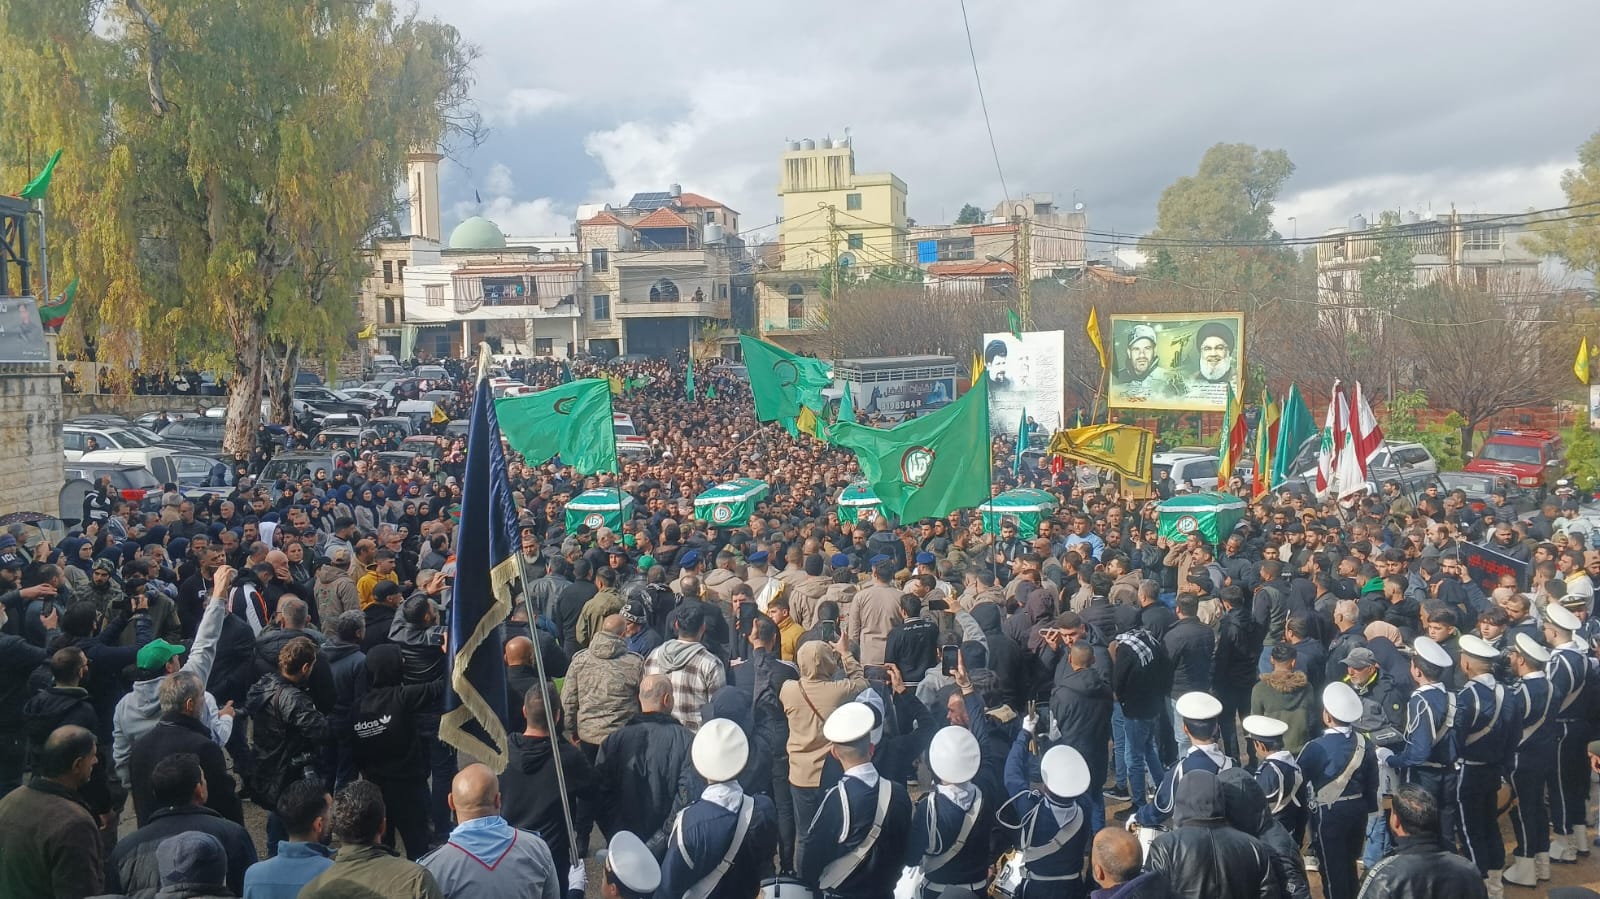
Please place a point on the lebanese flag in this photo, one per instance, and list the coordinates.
(1365, 433)
(1334, 432)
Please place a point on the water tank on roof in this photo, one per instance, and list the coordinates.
(1410, 218)
(794, 145)
(713, 233)
(675, 190)
(827, 143)
(808, 144)
(1358, 223)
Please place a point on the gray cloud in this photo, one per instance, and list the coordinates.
(1393, 104)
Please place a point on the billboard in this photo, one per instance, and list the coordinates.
(1182, 361)
(21, 332)
(1025, 375)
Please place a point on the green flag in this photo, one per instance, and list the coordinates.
(711, 391)
(54, 315)
(783, 383)
(40, 185)
(929, 466)
(572, 421)
(1014, 323)
(688, 378)
(1294, 426)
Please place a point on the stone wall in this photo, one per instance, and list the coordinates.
(131, 406)
(30, 440)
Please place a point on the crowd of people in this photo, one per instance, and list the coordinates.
(854, 707)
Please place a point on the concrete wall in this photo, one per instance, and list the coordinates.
(131, 406)
(30, 440)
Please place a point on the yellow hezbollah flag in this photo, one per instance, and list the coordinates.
(1093, 327)
(367, 331)
(1122, 448)
(1580, 365)
(439, 416)
(616, 385)
(977, 367)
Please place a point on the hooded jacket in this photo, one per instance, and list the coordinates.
(530, 800)
(289, 733)
(1204, 858)
(384, 724)
(696, 676)
(1287, 696)
(722, 582)
(1245, 806)
(639, 772)
(601, 691)
(807, 703)
(1080, 705)
(334, 593)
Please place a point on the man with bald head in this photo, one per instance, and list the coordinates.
(485, 857)
(282, 584)
(639, 767)
(1116, 861)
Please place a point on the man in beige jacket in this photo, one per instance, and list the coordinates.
(807, 703)
(874, 611)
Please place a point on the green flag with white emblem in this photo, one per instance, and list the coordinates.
(930, 466)
(572, 421)
(783, 383)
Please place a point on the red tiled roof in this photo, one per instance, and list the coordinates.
(662, 218)
(603, 218)
(982, 269)
(695, 201)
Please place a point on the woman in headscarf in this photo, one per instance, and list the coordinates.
(1385, 640)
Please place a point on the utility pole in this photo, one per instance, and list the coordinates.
(833, 254)
(1025, 272)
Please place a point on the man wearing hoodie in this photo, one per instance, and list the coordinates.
(696, 673)
(335, 592)
(807, 703)
(67, 702)
(486, 857)
(722, 579)
(1285, 693)
(1245, 806)
(1204, 858)
(601, 690)
(530, 799)
(1080, 707)
(388, 749)
(606, 601)
(348, 665)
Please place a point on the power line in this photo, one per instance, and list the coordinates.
(984, 103)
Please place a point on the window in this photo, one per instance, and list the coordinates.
(544, 346)
(434, 294)
(1480, 276)
(852, 201)
(400, 271)
(504, 291)
(600, 305)
(388, 272)
(388, 311)
(711, 218)
(797, 308)
(600, 260)
(855, 241)
(722, 291)
(664, 291)
(1487, 238)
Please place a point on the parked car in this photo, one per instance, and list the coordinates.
(202, 431)
(424, 445)
(457, 428)
(324, 400)
(399, 427)
(149, 419)
(130, 481)
(1182, 464)
(432, 373)
(75, 438)
(1534, 458)
(301, 464)
(1478, 488)
(166, 464)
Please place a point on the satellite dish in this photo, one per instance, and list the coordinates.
(1077, 207)
(846, 259)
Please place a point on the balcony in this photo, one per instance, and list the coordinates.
(631, 308)
(795, 325)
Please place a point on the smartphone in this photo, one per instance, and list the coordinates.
(828, 631)
(949, 659)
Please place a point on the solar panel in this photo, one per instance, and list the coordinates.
(652, 200)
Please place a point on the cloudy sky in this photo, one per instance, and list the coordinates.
(1414, 104)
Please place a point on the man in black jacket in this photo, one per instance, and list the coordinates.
(1141, 678)
(1204, 858)
(762, 676)
(1080, 705)
(1422, 865)
(289, 730)
(638, 768)
(386, 597)
(67, 702)
(1233, 668)
(179, 788)
(529, 797)
(1189, 645)
(290, 622)
(180, 730)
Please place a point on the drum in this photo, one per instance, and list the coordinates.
(785, 888)
(1008, 883)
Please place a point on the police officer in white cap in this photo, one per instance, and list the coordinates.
(856, 845)
(1533, 769)
(1279, 775)
(1200, 713)
(951, 826)
(1567, 671)
(1428, 758)
(723, 843)
(1488, 737)
(1342, 769)
(1053, 824)
(631, 872)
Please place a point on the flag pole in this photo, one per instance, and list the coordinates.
(44, 258)
(538, 657)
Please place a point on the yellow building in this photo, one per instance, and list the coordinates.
(829, 208)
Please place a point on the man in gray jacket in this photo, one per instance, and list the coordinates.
(486, 857)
